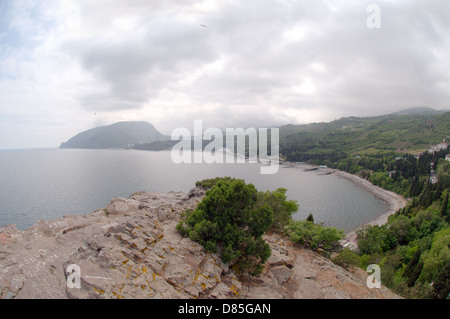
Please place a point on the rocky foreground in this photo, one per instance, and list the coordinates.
(131, 249)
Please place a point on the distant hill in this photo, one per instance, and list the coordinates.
(409, 131)
(156, 146)
(419, 111)
(118, 135)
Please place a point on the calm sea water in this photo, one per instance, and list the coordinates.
(48, 184)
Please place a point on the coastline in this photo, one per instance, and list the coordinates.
(392, 200)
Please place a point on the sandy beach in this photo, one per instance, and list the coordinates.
(393, 201)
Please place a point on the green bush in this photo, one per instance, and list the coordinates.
(209, 183)
(230, 221)
(347, 258)
(315, 236)
(281, 207)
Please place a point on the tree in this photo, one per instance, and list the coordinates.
(412, 264)
(310, 218)
(437, 257)
(441, 286)
(327, 238)
(400, 228)
(230, 221)
(444, 206)
(375, 239)
(281, 207)
(415, 274)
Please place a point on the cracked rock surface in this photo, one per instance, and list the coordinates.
(131, 249)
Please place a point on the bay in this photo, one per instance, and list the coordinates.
(46, 184)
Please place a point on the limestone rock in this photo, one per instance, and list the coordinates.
(281, 274)
(121, 205)
(196, 192)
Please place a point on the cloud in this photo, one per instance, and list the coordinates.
(256, 63)
(135, 68)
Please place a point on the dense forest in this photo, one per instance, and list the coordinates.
(412, 249)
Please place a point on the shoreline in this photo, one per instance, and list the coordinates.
(392, 200)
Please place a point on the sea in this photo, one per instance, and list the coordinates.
(46, 184)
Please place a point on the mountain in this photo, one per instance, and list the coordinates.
(402, 132)
(118, 135)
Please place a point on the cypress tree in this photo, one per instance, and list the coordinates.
(430, 199)
(409, 211)
(444, 206)
(412, 263)
(438, 192)
(412, 189)
(425, 197)
(441, 286)
(415, 274)
(416, 187)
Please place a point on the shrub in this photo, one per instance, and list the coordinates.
(315, 236)
(229, 221)
(281, 207)
(209, 183)
(347, 258)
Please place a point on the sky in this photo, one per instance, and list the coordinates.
(70, 65)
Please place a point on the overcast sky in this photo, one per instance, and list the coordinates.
(70, 65)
